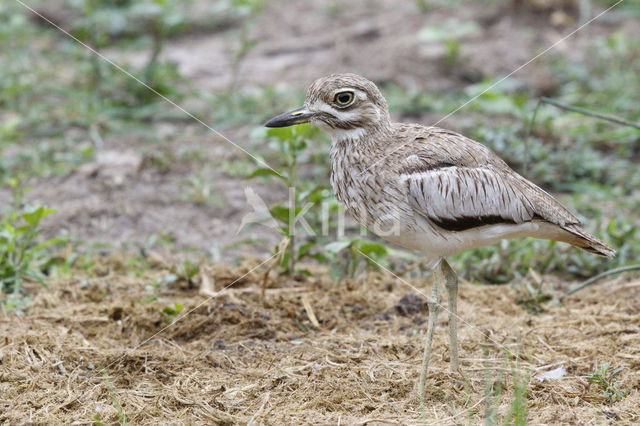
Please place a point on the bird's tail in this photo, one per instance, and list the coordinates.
(584, 240)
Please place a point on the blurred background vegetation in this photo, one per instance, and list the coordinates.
(96, 157)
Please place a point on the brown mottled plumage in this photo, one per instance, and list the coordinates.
(427, 188)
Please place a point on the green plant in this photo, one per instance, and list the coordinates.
(169, 313)
(188, 271)
(114, 398)
(347, 254)
(21, 255)
(199, 190)
(291, 142)
(494, 387)
(605, 380)
(517, 414)
(423, 5)
(449, 33)
(250, 9)
(156, 286)
(103, 22)
(533, 294)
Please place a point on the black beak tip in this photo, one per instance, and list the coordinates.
(272, 123)
(290, 118)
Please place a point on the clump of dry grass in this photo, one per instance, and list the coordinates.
(315, 351)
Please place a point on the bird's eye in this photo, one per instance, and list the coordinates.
(343, 99)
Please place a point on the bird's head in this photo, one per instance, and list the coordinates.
(347, 106)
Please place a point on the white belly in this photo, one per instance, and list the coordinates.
(436, 243)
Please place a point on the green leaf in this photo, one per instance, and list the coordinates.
(7, 231)
(305, 272)
(169, 310)
(299, 145)
(375, 250)
(265, 171)
(149, 299)
(336, 271)
(283, 133)
(48, 243)
(34, 216)
(615, 372)
(304, 249)
(450, 29)
(280, 213)
(319, 257)
(36, 275)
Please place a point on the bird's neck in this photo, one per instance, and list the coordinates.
(343, 136)
(354, 150)
(357, 137)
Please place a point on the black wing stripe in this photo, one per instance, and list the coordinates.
(464, 223)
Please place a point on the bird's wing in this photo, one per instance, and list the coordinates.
(460, 198)
(461, 184)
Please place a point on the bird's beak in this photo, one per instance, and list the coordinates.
(295, 116)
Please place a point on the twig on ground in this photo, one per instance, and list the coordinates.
(599, 276)
(309, 310)
(561, 105)
(277, 259)
(590, 113)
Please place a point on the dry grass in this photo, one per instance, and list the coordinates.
(233, 360)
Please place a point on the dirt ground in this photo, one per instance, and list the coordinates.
(232, 359)
(314, 351)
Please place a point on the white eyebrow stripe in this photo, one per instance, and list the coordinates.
(361, 95)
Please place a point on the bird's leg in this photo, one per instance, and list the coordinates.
(451, 282)
(433, 302)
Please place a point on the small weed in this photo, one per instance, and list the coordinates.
(346, 255)
(21, 255)
(114, 398)
(250, 9)
(199, 190)
(605, 380)
(450, 33)
(533, 294)
(423, 5)
(517, 414)
(141, 262)
(188, 271)
(169, 313)
(494, 387)
(156, 286)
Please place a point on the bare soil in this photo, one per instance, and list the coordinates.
(234, 358)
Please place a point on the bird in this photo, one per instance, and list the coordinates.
(427, 189)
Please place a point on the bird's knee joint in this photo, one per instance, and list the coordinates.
(433, 303)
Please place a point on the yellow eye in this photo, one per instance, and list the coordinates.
(343, 98)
